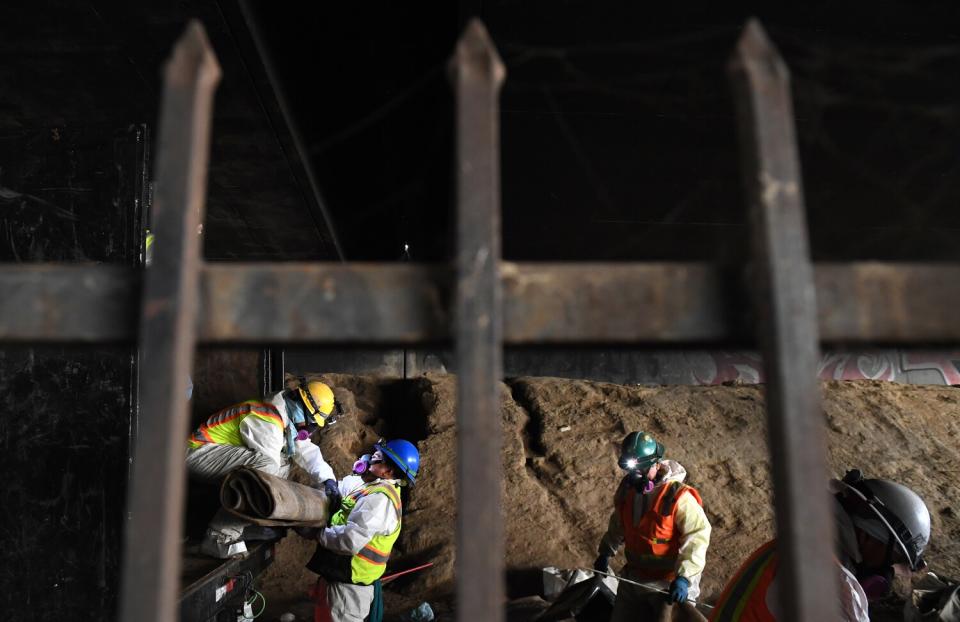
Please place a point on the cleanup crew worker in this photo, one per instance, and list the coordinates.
(662, 523)
(880, 524)
(352, 552)
(266, 435)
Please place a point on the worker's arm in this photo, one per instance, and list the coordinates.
(613, 538)
(308, 455)
(310, 459)
(694, 529)
(373, 515)
(264, 437)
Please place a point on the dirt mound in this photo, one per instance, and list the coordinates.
(560, 439)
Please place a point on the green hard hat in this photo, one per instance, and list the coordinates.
(639, 452)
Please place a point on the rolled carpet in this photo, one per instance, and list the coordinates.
(269, 500)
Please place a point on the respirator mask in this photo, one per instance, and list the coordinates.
(637, 472)
(362, 465)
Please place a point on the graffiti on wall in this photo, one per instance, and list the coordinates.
(914, 367)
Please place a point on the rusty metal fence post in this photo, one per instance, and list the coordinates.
(544, 303)
(152, 551)
(786, 308)
(477, 73)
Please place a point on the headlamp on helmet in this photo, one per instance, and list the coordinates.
(639, 451)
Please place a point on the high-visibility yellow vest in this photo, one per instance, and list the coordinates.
(369, 564)
(223, 427)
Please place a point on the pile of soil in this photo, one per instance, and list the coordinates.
(560, 443)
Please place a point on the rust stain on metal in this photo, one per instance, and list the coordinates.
(772, 189)
(659, 301)
(155, 307)
(881, 295)
(329, 289)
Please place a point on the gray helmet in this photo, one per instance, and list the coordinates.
(900, 510)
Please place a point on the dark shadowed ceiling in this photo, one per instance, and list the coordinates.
(617, 122)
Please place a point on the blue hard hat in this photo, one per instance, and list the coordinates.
(404, 455)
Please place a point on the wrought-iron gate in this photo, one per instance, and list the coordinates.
(481, 304)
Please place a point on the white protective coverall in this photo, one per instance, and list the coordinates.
(266, 450)
(853, 600)
(853, 603)
(372, 515)
(691, 525)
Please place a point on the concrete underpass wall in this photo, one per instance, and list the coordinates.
(623, 366)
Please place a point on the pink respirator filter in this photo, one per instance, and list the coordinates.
(360, 466)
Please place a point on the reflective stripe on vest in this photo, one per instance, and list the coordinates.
(223, 427)
(370, 562)
(653, 551)
(745, 596)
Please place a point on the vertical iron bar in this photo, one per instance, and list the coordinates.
(151, 564)
(477, 74)
(786, 307)
(278, 369)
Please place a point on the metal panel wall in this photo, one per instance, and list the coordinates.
(68, 195)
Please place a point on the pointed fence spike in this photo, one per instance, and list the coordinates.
(757, 57)
(786, 306)
(152, 551)
(475, 54)
(192, 58)
(477, 74)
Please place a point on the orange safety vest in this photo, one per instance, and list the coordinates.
(652, 547)
(745, 596)
(223, 427)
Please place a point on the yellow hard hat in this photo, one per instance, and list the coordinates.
(148, 248)
(319, 400)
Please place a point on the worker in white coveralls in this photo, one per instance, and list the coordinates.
(352, 552)
(266, 435)
(666, 532)
(882, 528)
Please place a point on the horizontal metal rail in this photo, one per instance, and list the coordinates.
(891, 303)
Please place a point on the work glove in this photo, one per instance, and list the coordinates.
(678, 589)
(602, 563)
(332, 491)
